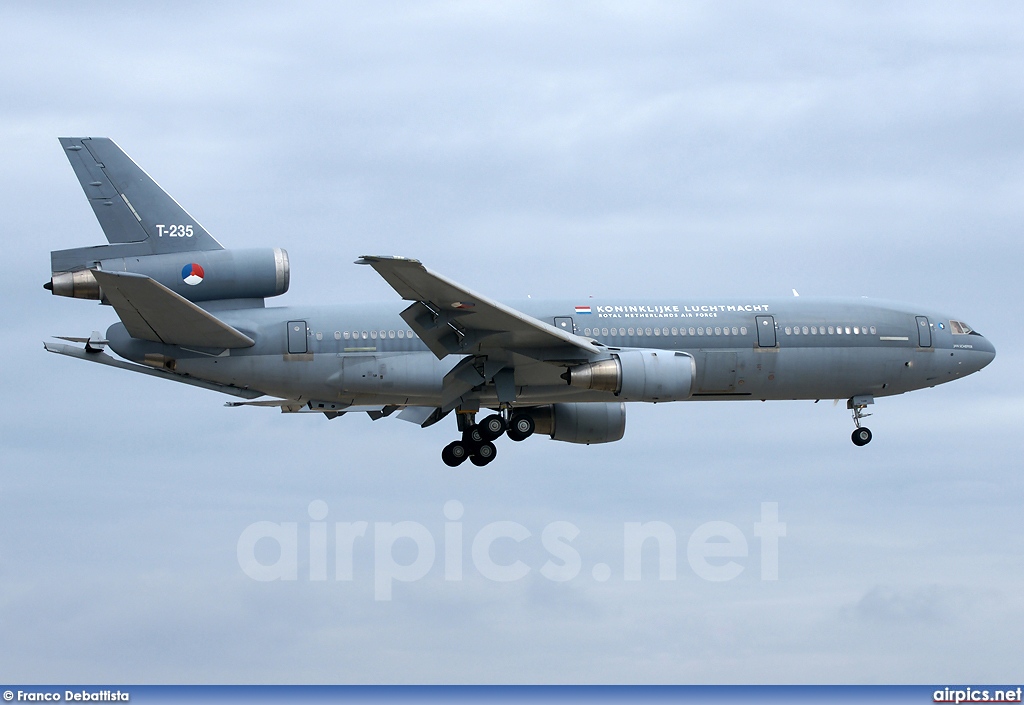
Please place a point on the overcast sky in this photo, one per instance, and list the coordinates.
(565, 149)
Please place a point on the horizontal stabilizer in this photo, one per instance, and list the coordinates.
(104, 359)
(286, 405)
(151, 311)
(328, 408)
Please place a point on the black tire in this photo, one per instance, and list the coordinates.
(454, 454)
(861, 436)
(484, 454)
(473, 436)
(492, 427)
(521, 428)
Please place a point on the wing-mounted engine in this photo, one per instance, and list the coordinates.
(580, 423)
(638, 375)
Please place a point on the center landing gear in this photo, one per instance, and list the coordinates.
(862, 434)
(477, 438)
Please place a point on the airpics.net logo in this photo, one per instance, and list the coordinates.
(716, 551)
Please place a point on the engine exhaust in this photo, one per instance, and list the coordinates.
(602, 376)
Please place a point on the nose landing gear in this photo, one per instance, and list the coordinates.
(862, 434)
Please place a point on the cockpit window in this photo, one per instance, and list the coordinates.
(960, 328)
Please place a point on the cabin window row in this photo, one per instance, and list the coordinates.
(830, 330)
(699, 330)
(374, 335)
(370, 335)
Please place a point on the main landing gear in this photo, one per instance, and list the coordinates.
(862, 434)
(477, 441)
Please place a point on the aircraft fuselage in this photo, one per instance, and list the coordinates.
(194, 312)
(792, 348)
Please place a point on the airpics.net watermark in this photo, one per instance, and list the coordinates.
(269, 551)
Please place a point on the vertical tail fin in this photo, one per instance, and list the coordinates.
(129, 205)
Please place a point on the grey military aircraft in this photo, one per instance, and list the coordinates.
(194, 312)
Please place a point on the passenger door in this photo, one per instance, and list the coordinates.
(565, 323)
(297, 338)
(766, 331)
(924, 332)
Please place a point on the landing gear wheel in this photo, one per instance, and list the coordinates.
(861, 436)
(492, 427)
(454, 454)
(484, 454)
(521, 428)
(473, 436)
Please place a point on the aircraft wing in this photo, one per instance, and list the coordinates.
(451, 319)
(151, 311)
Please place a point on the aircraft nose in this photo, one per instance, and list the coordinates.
(986, 350)
(982, 352)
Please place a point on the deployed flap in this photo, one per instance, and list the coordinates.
(416, 414)
(151, 311)
(130, 206)
(454, 320)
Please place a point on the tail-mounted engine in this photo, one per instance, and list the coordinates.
(196, 275)
(151, 235)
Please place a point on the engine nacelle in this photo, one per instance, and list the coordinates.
(598, 422)
(197, 275)
(638, 375)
